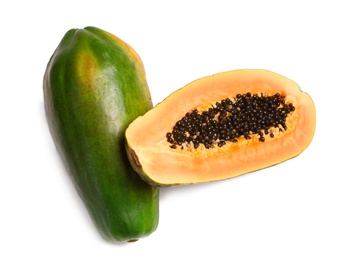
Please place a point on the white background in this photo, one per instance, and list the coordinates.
(288, 211)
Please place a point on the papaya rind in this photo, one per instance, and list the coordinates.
(94, 86)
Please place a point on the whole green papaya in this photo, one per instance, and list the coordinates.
(94, 86)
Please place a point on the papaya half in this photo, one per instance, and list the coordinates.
(221, 126)
(94, 87)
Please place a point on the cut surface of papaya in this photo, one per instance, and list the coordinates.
(221, 126)
(94, 86)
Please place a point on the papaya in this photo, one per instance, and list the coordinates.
(221, 126)
(94, 86)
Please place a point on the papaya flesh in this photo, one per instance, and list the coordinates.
(94, 87)
(221, 126)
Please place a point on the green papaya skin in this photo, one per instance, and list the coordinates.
(94, 86)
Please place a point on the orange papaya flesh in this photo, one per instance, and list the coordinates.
(221, 126)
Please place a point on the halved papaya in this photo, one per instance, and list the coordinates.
(221, 126)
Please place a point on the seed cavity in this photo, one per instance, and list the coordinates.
(245, 115)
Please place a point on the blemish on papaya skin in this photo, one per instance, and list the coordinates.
(86, 69)
(130, 51)
(132, 240)
(135, 158)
